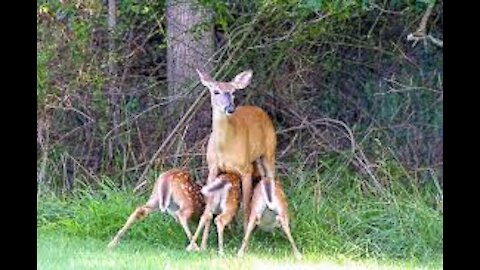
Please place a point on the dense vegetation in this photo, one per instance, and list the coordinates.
(331, 219)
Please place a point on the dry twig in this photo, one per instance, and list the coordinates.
(421, 33)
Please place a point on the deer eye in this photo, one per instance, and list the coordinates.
(216, 92)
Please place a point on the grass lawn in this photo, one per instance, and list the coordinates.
(59, 251)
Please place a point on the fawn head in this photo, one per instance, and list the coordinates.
(222, 93)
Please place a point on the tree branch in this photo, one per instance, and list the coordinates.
(421, 33)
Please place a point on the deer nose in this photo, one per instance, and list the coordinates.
(229, 109)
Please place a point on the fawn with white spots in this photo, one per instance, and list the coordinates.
(240, 136)
(269, 209)
(174, 192)
(222, 198)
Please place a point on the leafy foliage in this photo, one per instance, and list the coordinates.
(313, 61)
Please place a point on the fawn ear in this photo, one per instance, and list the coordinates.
(242, 80)
(205, 78)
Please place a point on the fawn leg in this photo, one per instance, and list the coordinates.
(212, 174)
(205, 233)
(220, 221)
(248, 232)
(182, 216)
(203, 219)
(140, 213)
(286, 228)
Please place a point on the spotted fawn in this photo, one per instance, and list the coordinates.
(222, 198)
(174, 192)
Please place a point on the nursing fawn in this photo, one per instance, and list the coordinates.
(222, 198)
(269, 210)
(174, 192)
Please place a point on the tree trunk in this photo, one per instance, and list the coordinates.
(112, 92)
(190, 45)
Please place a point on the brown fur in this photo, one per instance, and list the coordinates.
(225, 210)
(238, 139)
(259, 216)
(183, 191)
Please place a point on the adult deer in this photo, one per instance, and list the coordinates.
(240, 136)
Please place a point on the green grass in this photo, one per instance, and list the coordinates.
(59, 251)
(334, 222)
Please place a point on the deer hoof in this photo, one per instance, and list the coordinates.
(298, 255)
(112, 245)
(240, 253)
(192, 247)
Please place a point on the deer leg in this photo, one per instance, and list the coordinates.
(212, 174)
(248, 232)
(205, 233)
(182, 217)
(286, 228)
(204, 219)
(258, 163)
(268, 161)
(139, 214)
(220, 221)
(247, 196)
(193, 243)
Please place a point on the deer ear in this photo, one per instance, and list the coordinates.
(204, 78)
(242, 80)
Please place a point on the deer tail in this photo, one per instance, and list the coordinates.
(214, 187)
(165, 193)
(268, 190)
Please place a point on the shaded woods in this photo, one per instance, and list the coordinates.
(343, 83)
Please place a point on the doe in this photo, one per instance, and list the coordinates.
(240, 136)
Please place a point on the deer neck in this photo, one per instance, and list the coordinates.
(222, 129)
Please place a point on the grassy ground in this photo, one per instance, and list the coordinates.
(335, 223)
(59, 251)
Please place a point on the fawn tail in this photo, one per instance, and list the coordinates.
(164, 194)
(215, 186)
(267, 183)
(268, 186)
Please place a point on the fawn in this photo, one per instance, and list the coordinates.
(222, 198)
(269, 210)
(174, 192)
(240, 136)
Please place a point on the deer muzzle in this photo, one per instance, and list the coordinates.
(229, 109)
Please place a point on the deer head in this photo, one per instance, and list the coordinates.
(222, 93)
